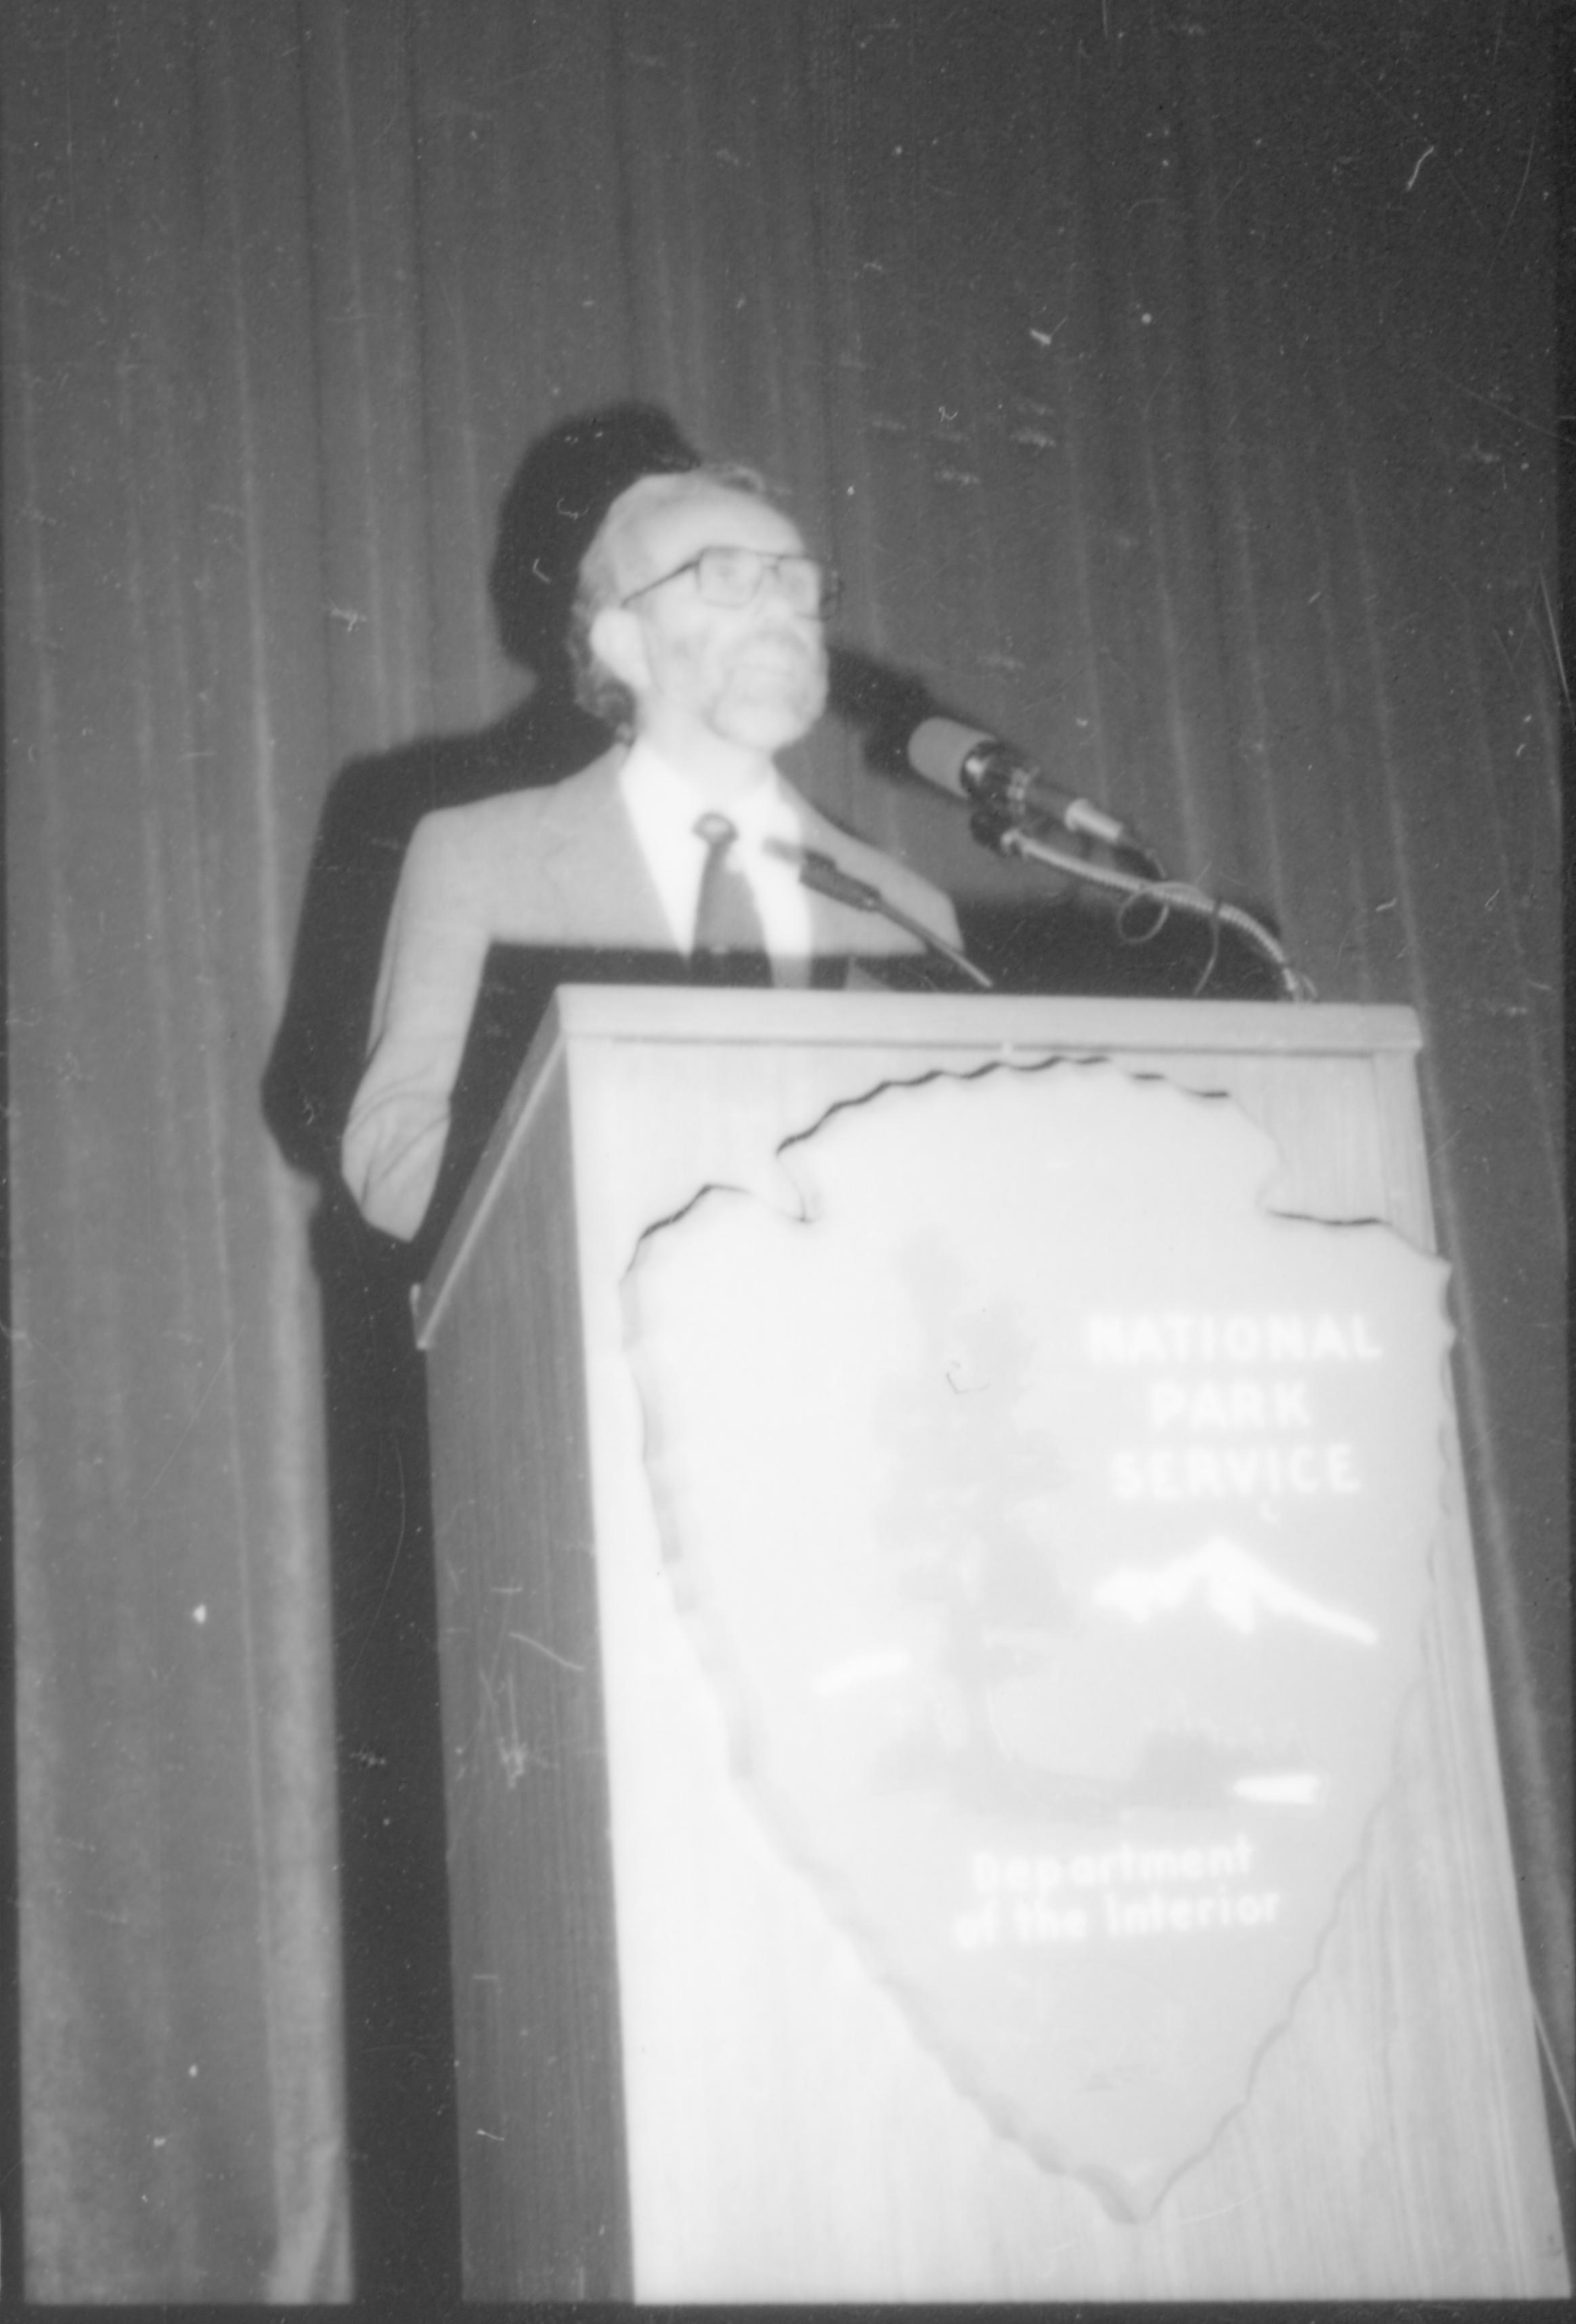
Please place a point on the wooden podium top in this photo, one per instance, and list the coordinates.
(985, 1020)
(983, 1027)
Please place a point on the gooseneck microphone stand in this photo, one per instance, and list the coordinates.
(1022, 835)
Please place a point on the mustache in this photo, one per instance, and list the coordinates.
(788, 649)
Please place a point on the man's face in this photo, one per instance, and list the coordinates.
(753, 675)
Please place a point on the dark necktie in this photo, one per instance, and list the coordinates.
(730, 942)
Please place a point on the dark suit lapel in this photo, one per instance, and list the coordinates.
(839, 928)
(596, 883)
(834, 930)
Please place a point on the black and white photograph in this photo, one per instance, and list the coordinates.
(784, 1366)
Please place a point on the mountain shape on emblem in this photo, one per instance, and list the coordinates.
(1232, 1583)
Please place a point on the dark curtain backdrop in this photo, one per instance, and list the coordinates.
(1173, 381)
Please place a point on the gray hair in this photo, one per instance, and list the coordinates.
(596, 689)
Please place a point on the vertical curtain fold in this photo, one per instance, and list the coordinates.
(180, 2027)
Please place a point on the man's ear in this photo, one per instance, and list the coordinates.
(618, 640)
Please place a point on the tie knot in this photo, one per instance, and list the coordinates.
(717, 831)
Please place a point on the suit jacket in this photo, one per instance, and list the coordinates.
(558, 871)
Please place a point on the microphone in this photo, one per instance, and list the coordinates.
(976, 767)
(819, 872)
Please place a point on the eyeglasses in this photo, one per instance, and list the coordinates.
(733, 577)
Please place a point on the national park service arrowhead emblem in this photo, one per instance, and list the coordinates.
(1053, 1520)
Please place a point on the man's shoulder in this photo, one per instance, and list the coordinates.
(491, 834)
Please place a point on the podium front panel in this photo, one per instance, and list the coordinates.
(681, 2079)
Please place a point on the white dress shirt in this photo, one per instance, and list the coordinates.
(664, 810)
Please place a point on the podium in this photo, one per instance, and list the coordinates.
(683, 2074)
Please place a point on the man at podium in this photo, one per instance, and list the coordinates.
(681, 853)
(481, 872)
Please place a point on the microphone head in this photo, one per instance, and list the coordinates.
(940, 749)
